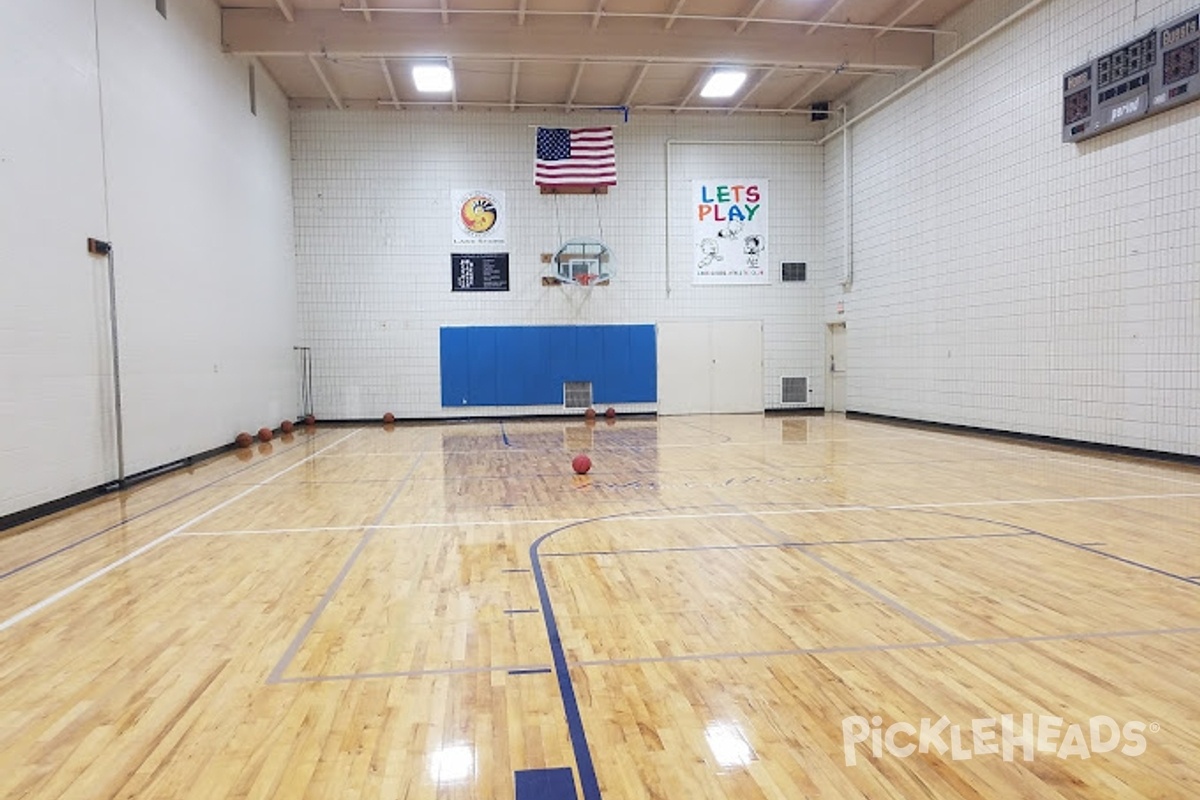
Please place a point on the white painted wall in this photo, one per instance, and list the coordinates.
(1006, 280)
(198, 205)
(55, 374)
(372, 194)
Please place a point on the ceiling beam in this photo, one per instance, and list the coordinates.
(512, 85)
(575, 84)
(761, 79)
(248, 31)
(750, 16)
(445, 12)
(597, 14)
(701, 78)
(366, 10)
(333, 95)
(521, 12)
(833, 9)
(896, 20)
(286, 9)
(808, 91)
(627, 99)
(387, 76)
(674, 14)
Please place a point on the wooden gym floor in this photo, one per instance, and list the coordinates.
(726, 607)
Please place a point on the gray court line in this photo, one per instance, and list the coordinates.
(777, 545)
(82, 582)
(885, 648)
(655, 516)
(865, 587)
(416, 673)
(285, 661)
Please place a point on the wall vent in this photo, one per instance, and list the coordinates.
(794, 271)
(577, 394)
(795, 390)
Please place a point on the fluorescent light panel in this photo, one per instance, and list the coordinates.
(432, 78)
(723, 83)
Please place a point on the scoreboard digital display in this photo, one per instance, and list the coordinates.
(1156, 71)
(1176, 82)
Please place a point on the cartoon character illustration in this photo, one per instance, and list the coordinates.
(731, 230)
(752, 247)
(708, 248)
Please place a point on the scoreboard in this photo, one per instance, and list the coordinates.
(1154, 72)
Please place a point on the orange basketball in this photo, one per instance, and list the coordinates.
(590, 413)
(310, 420)
(581, 464)
(389, 418)
(610, 412)
(286, 426)
(243, 439)
(265, 434)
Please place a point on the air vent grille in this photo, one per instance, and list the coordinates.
(795, 390)
(577, 394)
(794, 271)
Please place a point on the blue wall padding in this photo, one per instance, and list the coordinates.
(527, 365)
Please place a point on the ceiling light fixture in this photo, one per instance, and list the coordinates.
(723, 83)
(432, 78)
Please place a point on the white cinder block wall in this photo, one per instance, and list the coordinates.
(130, 127)
(373, 226)
(1005, 280)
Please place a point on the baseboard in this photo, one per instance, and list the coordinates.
(1052, 442)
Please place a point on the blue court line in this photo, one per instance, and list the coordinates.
(140, 514)
(544, 784)
(780, 545)
(579, 744)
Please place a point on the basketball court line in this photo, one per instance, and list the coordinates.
(885, 648)
(782, 545)
(654, 516)
(634, 447)
(369, 531)
(528, 669)
(1065, 542)
(139, 515)
(69, 590)
(862, 586)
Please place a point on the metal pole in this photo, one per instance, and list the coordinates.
(116, 361)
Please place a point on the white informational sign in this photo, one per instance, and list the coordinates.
(479, 217)
(729, 222)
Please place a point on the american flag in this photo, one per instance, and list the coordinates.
(575, 157)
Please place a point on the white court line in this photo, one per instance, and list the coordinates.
(648, 516)
(631, 446)
(79, 584)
